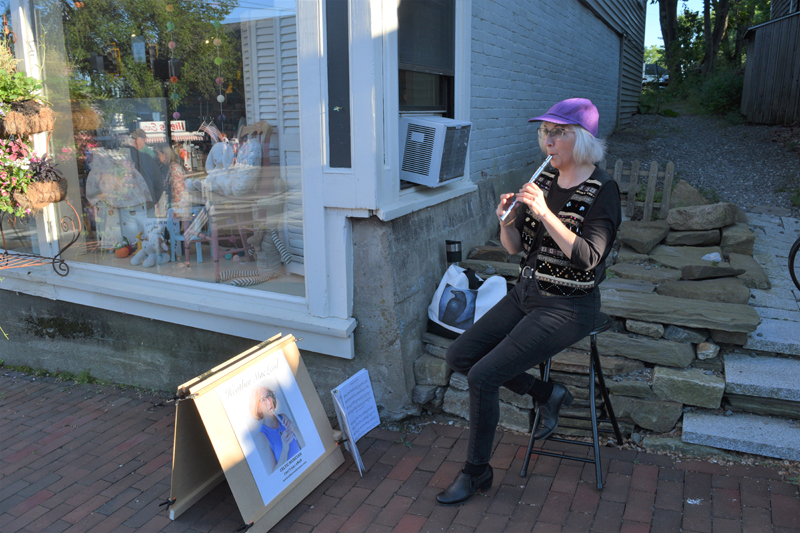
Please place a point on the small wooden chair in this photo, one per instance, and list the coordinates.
(177, 236)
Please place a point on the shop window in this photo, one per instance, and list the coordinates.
(426, 56)
(183, 148)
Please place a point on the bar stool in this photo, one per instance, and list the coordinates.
(595, 370)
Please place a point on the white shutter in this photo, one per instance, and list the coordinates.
(270, 72)
(289, 126)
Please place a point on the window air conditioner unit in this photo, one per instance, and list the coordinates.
(433, 149)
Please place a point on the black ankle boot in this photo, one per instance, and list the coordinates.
(548, 412)
(465, 486)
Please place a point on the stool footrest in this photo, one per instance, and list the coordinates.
(569, 441)
(584, 428)
(562, 456)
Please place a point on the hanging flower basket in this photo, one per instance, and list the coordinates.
(41, 194)
(27, 183)
(26, 118)
(84, 118)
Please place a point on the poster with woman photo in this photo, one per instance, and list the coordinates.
(272, 424)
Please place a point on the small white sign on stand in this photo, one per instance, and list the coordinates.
(356, 411)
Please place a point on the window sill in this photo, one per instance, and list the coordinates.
(246, 313)
(419, 198)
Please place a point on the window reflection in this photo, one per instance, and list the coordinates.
(179, 131)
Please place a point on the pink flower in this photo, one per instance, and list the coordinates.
(5, 193)
(27, 211)
(66, 150)
(3, 174)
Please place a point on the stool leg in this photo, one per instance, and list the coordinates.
(604, 390)
(544, 372)
(595, 440)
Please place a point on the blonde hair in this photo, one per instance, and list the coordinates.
(255, 401)
(587, 149)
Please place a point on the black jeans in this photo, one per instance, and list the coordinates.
(523, 329)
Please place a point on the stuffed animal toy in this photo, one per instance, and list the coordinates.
(153, 250)
(137, 245)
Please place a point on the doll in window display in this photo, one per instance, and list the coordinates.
(119, 195)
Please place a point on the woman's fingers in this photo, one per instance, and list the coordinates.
(505, 203)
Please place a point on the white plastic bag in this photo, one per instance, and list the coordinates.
(456, 307)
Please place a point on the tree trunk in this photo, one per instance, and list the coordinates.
(668, 17)
(713, 38)
(741, 29)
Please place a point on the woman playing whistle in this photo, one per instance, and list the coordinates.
(565, 222)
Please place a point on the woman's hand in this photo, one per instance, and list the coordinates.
(505, 202)
(532, 196)
(286, 438)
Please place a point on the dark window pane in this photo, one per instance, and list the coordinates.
(431, 93)
(336, 20)
(419, 89)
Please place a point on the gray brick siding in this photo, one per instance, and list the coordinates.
(526, 56)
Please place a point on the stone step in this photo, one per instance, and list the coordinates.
(765, 377)
(778, 336)
(759, 435)
(679, 311)
(762, 406)
(774, 298)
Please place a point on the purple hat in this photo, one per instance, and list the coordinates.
(572, 111)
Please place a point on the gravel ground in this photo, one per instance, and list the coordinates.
(748, 165)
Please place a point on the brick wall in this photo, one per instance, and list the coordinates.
(527, 55)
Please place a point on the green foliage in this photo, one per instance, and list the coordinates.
(85, 378)
(735, 118)
(8, 63)
(102, 24)
(654, 55)
(794, 197)
(742, 15)
(711, 194)
(651, 101)
(690, 44)
(65, 376)
(16, 87)
(721, 92)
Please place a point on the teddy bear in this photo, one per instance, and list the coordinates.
(153, 250)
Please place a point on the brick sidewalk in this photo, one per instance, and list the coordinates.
(96, 458)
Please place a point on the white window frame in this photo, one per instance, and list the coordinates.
(322, 319)
(395, 203)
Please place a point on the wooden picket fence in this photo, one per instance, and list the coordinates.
(629, 181)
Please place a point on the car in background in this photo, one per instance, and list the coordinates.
(652, 74)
